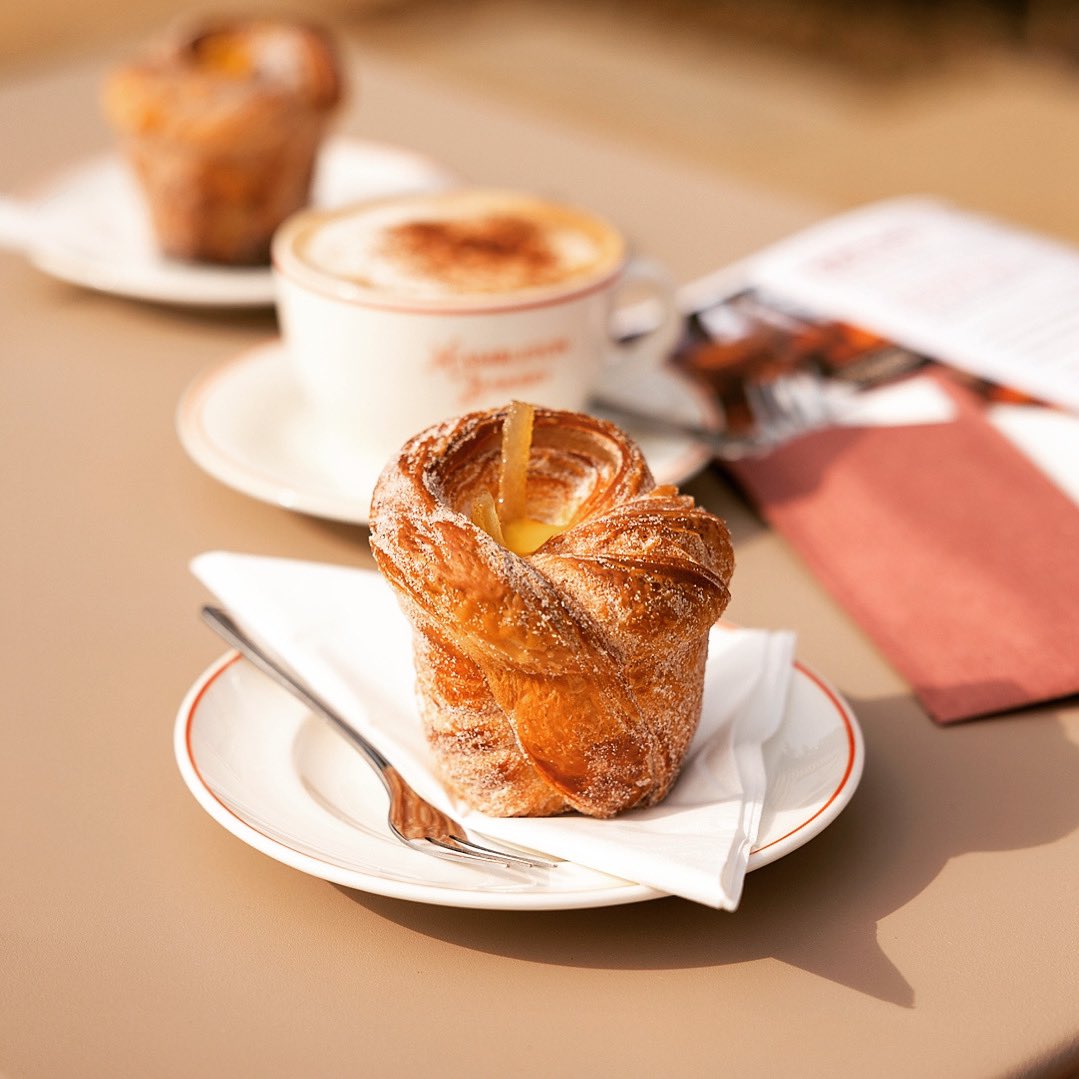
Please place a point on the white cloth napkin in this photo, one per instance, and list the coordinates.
(341, 629)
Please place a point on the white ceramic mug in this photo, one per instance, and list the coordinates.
(401, 312)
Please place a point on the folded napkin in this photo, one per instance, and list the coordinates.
(953, 551)
(340, 628)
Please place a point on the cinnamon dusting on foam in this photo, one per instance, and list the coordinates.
(497, 252)
(459, 244)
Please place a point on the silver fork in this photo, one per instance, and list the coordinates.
(411, 818)
(782, 409)
(788, 406)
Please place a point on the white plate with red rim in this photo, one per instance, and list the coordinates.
(247, 425)
(287, 785)
(89, 225)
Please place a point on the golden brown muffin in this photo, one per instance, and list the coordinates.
(222, 125)
(567, 673)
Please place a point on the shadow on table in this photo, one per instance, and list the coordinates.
(928, 795)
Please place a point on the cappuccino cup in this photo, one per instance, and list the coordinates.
(400, 312)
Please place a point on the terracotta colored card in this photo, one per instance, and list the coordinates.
(953, 552)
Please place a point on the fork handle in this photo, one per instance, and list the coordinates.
(722, 445)
(223, 624)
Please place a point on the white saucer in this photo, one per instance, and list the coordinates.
(246, 425)
(282, 781)
(89, 226)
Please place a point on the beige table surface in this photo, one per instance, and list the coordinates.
(931, 931)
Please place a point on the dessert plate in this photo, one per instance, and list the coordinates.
(246, 424)
(286, 784)
(89, 226)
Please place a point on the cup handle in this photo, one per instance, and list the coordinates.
(643, 353)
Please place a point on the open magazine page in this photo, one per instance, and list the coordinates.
(993, 300)
(901, 286)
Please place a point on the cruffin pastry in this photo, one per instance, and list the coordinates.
(222, 121)
(568, 678)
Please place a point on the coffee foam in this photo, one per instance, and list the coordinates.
(460, 244)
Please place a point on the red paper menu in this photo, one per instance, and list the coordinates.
(956, 555)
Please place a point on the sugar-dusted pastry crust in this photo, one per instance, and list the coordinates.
(570, 678)
(222, 123)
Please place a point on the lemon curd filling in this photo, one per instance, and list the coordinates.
(524, 535)
(507, 520)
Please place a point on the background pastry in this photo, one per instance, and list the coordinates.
(565, 673)
(222, 124)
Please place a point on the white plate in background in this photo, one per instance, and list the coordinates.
(89, 225)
